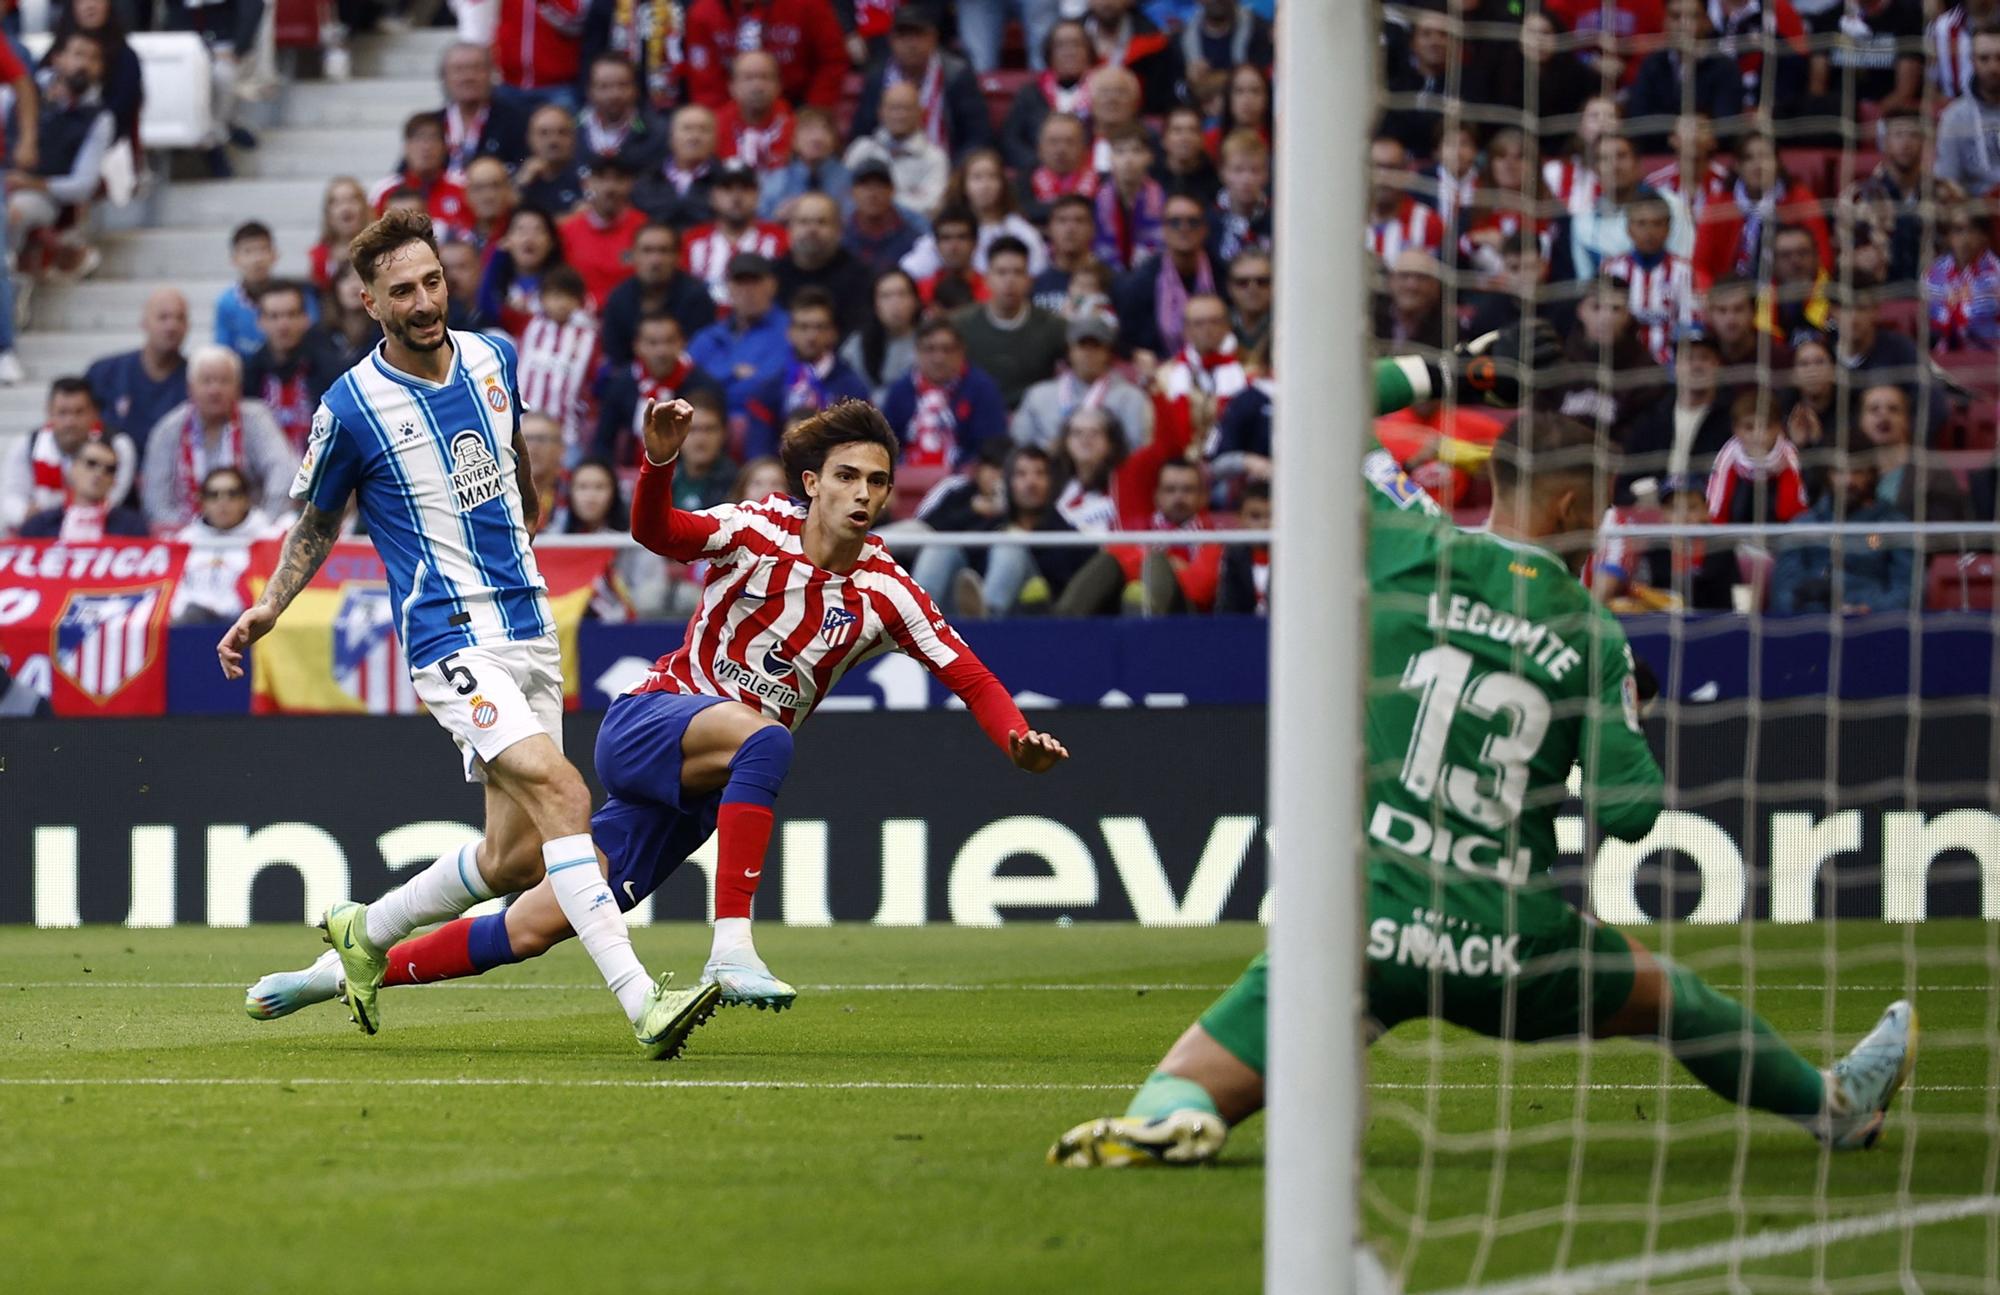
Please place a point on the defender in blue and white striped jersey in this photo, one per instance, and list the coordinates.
(425, 432)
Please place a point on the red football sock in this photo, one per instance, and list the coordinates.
(743, 831)
(444, 954)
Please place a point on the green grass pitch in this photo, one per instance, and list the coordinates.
(506, 1136)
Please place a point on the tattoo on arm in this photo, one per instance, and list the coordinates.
(531, 503)
(306, 547)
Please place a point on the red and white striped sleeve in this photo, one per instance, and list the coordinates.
(921, 631)
(675, 532)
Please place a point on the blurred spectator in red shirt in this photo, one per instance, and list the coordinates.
(1729, 239)
(343, 212)
(803, 36)
(423, 173)
(707, 249)
(597, 240)
(1127, 38)
(1756, 476)
(538, 47)
(755, 126)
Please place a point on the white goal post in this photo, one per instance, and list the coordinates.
(1325, 98)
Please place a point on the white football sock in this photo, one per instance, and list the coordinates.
(732, 942)
(593, 914)
(449, 886)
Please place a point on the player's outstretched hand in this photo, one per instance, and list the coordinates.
(1488, 369)
(252, 625)
(667, 424)
(1035, 752)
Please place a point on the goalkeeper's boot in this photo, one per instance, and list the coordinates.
(1863, 1083)
(1176, 1138)
(668, 1016)
(362, 965)
(743, 978)
(283, 992)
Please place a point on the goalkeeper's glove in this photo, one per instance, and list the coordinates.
(1488, 369)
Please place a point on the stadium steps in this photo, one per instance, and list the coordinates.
(185, 241)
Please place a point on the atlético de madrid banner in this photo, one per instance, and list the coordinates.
(86, 624)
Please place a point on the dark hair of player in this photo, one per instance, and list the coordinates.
(846, 422)
(71, 386)
(396, 230)
(249, 231)
(1545, 449)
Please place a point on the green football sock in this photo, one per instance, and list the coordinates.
(1709, 1032)
(1163, 1094)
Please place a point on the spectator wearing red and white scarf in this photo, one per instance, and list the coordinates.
(755, 126)
(1207, 364)
(1730, 238)
(35, 475)
(1756, 477)
(660, 370)
(88, 512)
(214, 428)
(920, 168)
(950, 105)
(1396, 220)
(538, 44)
(943, 409)
(709, 248)
(803, 36)
(423, 173)
(1962, 288)
(1708, 180)
(1061, 166)
(1063, 87)
(559, 356)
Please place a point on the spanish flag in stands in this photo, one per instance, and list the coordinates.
(335, 650)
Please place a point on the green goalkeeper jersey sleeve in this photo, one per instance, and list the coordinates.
(1492, 673)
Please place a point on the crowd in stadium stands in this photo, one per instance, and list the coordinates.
(1761, 228)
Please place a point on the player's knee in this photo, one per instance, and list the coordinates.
(763, 759)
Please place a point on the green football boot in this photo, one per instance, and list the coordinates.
(345, 927)
(669, 1016)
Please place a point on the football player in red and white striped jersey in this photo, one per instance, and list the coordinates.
(797, 594)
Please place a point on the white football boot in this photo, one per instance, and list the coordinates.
(1863, 1083)
(283, 992)
(743, 978)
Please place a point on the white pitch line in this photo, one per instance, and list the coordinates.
(1764, 1245)
(884, 988)
(536, 1081)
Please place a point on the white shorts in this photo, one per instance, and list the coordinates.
(488, 698)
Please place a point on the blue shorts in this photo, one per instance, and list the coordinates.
(645, 826)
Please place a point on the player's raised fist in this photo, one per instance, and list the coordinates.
(667, 424)
(1035, 752)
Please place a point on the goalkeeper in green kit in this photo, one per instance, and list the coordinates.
(1492, 672)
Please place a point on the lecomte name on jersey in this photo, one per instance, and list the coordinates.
(1466, 615)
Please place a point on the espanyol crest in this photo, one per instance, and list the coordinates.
(102, 641)
(838, 627)
(366, 663)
